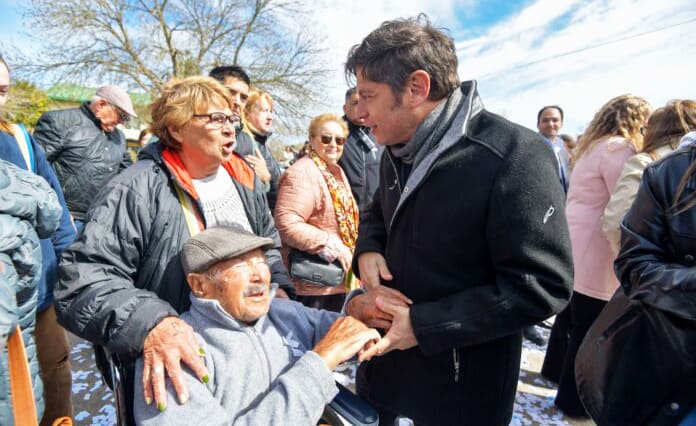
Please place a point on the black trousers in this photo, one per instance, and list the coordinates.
(557, 347)
(583, 312)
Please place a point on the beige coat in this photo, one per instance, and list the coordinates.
(305, 216)
(625, 192)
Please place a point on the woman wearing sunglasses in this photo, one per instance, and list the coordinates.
(316, 212)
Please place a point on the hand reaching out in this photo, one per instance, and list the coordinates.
(346, 337)
(364, 307)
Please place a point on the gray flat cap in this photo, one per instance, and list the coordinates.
(117, 97)
(217, 244)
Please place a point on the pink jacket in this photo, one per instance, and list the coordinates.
(593, 180)
(305, 216)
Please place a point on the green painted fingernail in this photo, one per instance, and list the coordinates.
(201, 351)
(205, 379)
(148, 401)
(161, 406)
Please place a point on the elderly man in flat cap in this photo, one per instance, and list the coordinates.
(269, 360)
(84, 146)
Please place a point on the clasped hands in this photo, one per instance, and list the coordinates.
(382, 307)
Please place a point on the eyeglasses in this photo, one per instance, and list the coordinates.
(218, 119)
(326, 139)
(123, 116)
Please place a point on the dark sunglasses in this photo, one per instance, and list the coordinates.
(326, 139)
(218, 119)
(123, 116)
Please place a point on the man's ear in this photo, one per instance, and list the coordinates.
(418, 87)
(197, 282)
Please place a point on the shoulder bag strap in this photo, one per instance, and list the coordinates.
(23, 407)
(189, 212)
(24, 142)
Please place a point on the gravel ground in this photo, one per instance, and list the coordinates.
(94, 405)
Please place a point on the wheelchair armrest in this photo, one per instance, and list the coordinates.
(353, 408)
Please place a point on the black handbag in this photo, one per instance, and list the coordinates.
(313, 269)
(637, 364)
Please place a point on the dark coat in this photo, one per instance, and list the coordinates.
(123, 275)
(273, 168)
(82, 154)
(360, 162)
(52, 247)
(481, 246)
(657, 270)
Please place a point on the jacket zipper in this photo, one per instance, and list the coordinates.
(455, 358)
(265, 355)
(396, 173)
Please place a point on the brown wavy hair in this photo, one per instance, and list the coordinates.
(180, 100)
(622, 116)
(668, 124)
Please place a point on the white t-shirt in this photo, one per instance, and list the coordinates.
(220, 200)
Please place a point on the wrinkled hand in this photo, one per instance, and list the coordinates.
(373, 269)
(364, 306)
(258, 163)
(346, 337)
(171, 342)
(400, 335)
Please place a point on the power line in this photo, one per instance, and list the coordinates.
(583, 49)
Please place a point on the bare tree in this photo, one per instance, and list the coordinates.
(143, 43)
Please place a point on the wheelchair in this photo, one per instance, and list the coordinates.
(345, 409)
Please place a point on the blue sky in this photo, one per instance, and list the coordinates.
(525, 54)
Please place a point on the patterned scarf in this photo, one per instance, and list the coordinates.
(343, 203)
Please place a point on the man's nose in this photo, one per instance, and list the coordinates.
(362, 111)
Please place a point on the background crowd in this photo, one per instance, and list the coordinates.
(115, 228)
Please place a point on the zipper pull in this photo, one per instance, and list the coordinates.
(455, 357)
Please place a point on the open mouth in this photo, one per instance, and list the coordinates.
(228, 148)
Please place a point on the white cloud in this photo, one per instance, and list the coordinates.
(654, 65)
(658, 65)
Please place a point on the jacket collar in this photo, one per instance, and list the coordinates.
(236, 168)
(215, 313)
(90, 115)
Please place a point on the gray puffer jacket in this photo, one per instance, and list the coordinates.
(82, 154)
(29, 210)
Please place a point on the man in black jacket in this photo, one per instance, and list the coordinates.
(84, 146)
(465, 243)
(360, 159)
